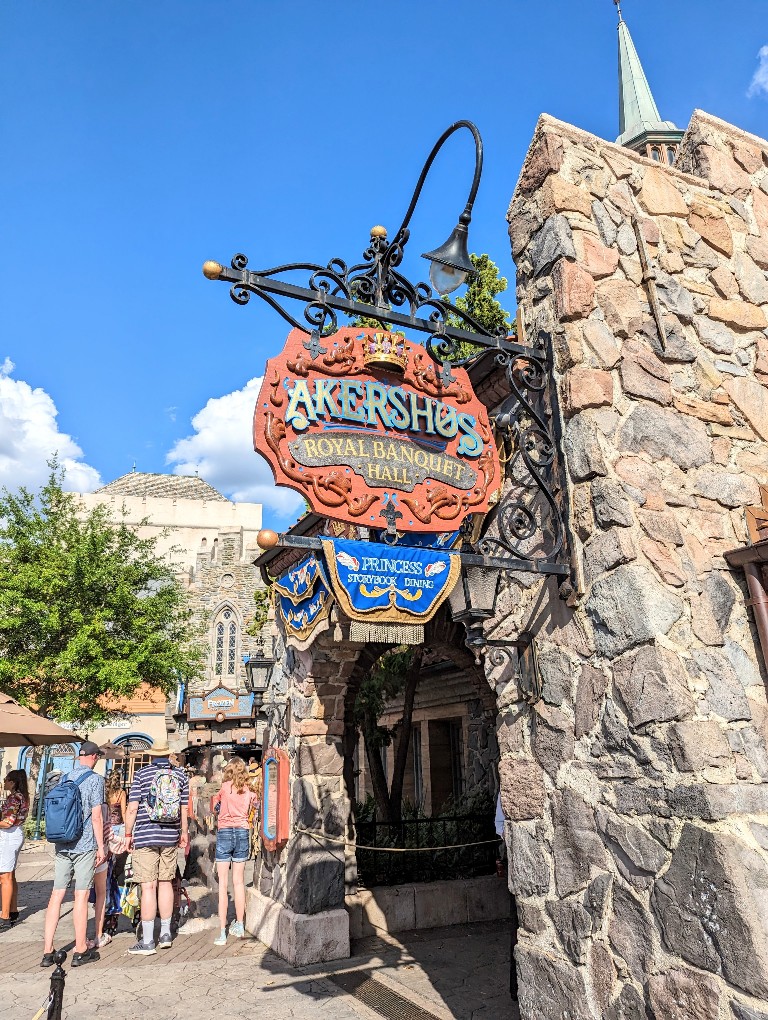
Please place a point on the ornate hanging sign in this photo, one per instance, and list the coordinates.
(389, 585)
(367, 428)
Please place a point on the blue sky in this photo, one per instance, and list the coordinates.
(141, 138)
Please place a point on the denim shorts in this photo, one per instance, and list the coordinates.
(233, 845)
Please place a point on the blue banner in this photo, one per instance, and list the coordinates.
(304, 601)
(389, 584)
(299, 582)
(421, 539)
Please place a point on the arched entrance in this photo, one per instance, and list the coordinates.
(61, 758)
(307, 901)
(424, 790)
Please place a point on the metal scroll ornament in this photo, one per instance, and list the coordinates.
(374, 289)
(525, 529)
(527, 523)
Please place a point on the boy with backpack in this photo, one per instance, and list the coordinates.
(74, 821)
(155, 827)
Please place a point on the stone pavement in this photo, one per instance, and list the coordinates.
(460, 972)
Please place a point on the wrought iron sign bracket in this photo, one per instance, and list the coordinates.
(468, 559)
(333, 287)
(525, 530)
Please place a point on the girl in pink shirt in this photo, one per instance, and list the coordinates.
(233, 805)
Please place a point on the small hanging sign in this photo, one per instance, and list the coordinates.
(299, 582)
(220, 704)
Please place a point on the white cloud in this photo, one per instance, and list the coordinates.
(759, 81)
(221, 451)
(29, 437)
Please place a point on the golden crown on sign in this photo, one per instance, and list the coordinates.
(385, 350)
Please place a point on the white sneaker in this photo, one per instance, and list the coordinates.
(221, 940)
(237, 930)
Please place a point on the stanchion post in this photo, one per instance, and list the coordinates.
(57, 986)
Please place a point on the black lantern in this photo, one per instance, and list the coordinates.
(450, 263)
(474, 600)
(258, 673)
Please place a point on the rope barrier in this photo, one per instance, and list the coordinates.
(44, 1008)
(395, 849)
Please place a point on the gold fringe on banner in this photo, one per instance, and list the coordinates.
(301, 644)
(387, 633)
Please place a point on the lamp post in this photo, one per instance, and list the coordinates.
(374, 287)
(41, 793)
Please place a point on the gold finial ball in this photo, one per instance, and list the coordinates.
(267, 539)
(212, 270)
(378, 231)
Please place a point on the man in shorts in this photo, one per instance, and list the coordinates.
(78, 861)
(154, 844)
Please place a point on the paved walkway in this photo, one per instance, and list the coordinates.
(460, 972)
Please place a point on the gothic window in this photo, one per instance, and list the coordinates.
(226, 639)
(671, 153)
(232, 649)
(656, 154)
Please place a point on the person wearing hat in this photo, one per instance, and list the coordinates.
(78, 861)
(156, 825)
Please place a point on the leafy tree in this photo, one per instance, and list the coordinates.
(262, 598)
(395, 673)
(88, 610)
(480, 302)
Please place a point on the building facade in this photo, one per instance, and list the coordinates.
(211, 542)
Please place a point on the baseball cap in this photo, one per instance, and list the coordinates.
(88, 747)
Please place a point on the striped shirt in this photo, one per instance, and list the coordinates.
(145, 831)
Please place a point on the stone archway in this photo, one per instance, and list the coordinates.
(297, 905)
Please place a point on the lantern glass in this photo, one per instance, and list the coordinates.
(474, 597)
(258, 671)
(446, 279)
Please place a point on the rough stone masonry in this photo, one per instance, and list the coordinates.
(636, 794)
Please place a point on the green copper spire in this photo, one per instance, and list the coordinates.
(639, 120)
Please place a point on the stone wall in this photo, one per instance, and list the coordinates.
(636, 793)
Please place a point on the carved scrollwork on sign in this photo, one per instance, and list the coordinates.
(370, 434)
